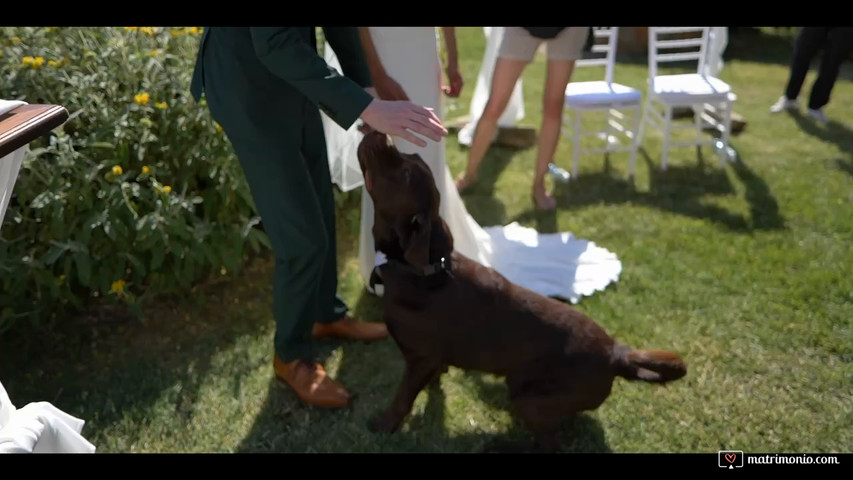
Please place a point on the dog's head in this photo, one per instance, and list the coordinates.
(407, 226)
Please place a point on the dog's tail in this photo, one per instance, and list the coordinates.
(655, 366)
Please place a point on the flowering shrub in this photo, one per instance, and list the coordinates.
(138, 192)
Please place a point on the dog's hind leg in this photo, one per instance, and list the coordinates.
(543, 415)
(419, 372)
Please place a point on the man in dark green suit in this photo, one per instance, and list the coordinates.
(264, 86)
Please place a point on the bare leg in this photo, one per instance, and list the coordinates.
(507, 72)
(559, 73)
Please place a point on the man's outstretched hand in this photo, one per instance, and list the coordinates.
(402, 119)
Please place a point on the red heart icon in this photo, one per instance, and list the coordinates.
(730, 457)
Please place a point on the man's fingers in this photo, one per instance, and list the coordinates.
(404, 120)
(428, 115)
(405, 134)
(424, 128)
(432, 123)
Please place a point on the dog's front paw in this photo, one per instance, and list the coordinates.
(383, 423)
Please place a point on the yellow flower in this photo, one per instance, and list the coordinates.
(28, 60)
(38, 61)
(195, 31)
(118, 286)
(117, 170)
(147, 30)
(223, 271)
(177, 32)
(146, 170)
(131, 29)
(53, 63)
(142, 98)
(167, 189)
(218, 128)
(154, 53)
(161, 105)
(16, 40)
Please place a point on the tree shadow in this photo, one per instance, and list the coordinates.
(112, 373)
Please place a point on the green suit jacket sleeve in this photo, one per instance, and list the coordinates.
(346, 43)
(287, 55)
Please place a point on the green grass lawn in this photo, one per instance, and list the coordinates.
(743, 270)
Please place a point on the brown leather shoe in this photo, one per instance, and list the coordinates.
(311, 383)
(350, 329)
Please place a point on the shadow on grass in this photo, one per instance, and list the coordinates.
(110, 374)
(833, 132)
(371, 372)
(480, 198)
(679, 189)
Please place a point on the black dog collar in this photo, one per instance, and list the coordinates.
(443, 265)
(435, 274)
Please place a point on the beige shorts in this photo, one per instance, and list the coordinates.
(519, 44)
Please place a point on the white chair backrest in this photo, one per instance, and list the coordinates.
(605, 40)
(663, 48)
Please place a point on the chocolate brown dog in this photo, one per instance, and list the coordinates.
(444, 309)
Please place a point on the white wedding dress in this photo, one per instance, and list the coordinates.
(557, 265)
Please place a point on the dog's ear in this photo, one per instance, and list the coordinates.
(414, 238)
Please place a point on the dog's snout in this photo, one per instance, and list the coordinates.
(373, 146)
(377, 140)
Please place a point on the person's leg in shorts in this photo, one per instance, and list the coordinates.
(563, 50)
(517, 50)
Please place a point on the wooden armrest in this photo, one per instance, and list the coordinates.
(24, 124)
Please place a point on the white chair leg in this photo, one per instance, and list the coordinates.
(608, 130)
(697, 121)
(576, 149)
(667, 129)
(727, 128)
(644, 120)
(635, 140)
